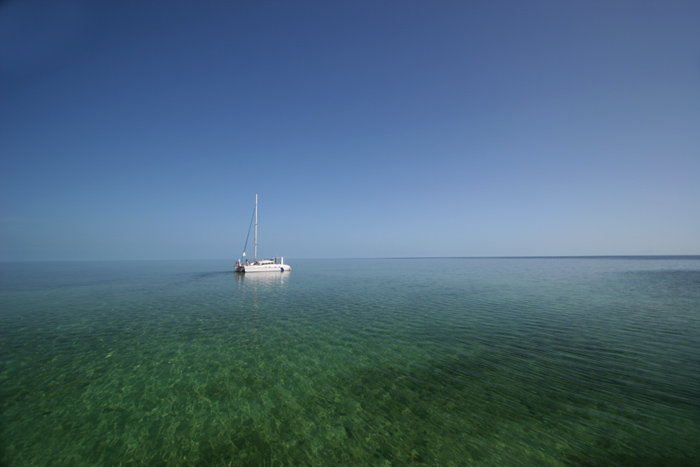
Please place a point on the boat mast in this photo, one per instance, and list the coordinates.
(255, 254)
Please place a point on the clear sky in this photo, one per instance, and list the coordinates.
(143, 129)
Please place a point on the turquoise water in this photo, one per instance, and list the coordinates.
(444, 362)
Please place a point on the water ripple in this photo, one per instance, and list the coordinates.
(493, 362)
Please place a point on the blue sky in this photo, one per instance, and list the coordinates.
(143, 129)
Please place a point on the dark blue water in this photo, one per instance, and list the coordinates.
(534, 361)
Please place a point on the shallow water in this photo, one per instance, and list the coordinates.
(531, 361)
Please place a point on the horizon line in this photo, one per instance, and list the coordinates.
(658, 256)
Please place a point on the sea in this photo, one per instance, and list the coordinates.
(581, 361)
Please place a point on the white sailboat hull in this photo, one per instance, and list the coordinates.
(263, 268)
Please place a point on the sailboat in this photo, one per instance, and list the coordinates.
(264, 265)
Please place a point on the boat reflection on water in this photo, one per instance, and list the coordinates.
(257, 289)
(266, 280)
